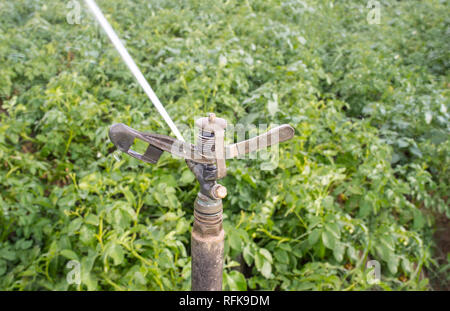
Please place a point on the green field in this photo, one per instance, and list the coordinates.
(366, 176)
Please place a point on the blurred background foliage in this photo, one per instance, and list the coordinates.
(365, 178)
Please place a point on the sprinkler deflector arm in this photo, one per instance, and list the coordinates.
(123, 137)
(206, 160)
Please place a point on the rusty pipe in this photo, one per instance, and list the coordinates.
(207, 244)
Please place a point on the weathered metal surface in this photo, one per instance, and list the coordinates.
(219, 192)
(212, 141)
(123, 137)
(206, 176)
(207, 244)
(274, 136)
(205, 205)
(208, 152)
(210, 123)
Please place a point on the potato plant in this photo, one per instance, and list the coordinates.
(362, 180)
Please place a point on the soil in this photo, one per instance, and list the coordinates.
(442, 238)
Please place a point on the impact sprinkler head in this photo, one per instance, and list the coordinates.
(207, 158)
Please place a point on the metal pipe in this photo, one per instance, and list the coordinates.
(207, 244)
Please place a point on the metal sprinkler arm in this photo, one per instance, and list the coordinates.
(123, 136)
(210, 150)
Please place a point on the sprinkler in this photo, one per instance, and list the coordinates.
(206, 160)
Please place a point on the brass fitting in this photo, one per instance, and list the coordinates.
(218, 191)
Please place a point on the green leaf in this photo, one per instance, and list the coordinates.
(365, 209)
(248, 255)
(314, 236)
(406, 265)
(338, 251)
(92, 219)
(7, 254)
(266, 269)
(263, 262)
(259, 261)
(351, 252)
(236, 281)
(129, 196)
(116, 253)
(87, 278)
(3, 267)
(187, 177)
(267, 255)
(281, 256)
(328, 202)
(419, 220)
(334, 229)
(328, 239)
(74, 226)
(235, 240)
(69, 254)
(393, 264)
